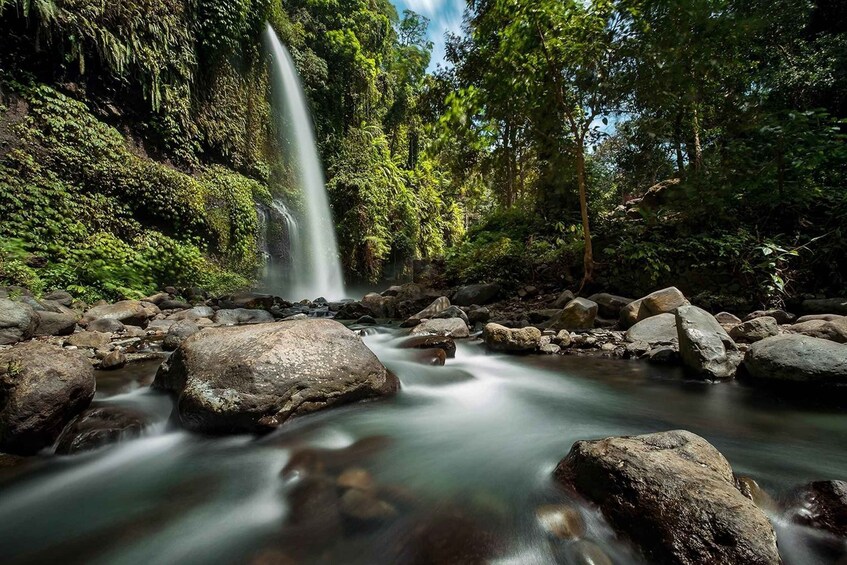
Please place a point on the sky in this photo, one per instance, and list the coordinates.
(444, 15)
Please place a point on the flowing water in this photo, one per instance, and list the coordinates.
(315, 269)
(477, 438)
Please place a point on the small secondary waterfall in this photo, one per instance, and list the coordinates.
(314, 268)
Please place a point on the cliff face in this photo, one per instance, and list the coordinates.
(134, 143)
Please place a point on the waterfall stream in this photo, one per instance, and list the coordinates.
(314, 268)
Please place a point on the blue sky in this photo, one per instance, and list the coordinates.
(444, 15)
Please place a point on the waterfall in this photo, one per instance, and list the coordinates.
(314, 269)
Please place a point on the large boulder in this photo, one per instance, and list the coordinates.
(655, 330)
(562, 300)
(452, 327)
(797, 358)
(826, 306)
(381, 306)
(55, 323)
(610, 305)
(755, 330)
(705, 347)
(239, 316)
(480, 294)
(254, 378)
(664, 301)
(128, 312)
(179, 332)
(834, 329)
(454, 312)
(674, 495)
(578, 314)
(42, 388)
(435, 307)
(506, 340)
(17, 321)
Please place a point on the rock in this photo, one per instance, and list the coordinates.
(664, 301)
(52, 323)
(563, 299)
(113, 360)
(436, 307)
(453, 312)
(357, 478)
(824, 317)
(91, 340)
(528, 291)
(254, 378)
(561, 521)
(706, 349)
(674, 495)
(364, 508)
(247, 301)
(781, 316)
(654, 330)
(578, 314)
(503, 339)
(609, 305)
(826, 306)
(434, 357)
(543, 316)
(446, 537)
(171, 304)
(478, 315)
(663, 354)
(754, 330)
(381, 306)
(106, 325)
(61, 296)
(751, 489)
(193, 314)
(178, 333)
(562, 339)
(129, 312)
(549, 349)
(392, 291)
(833, 330)
(481, 294)
(727, 320)
(453, 327)
(821, 505)
(797, 358)
(431, 342)
(17, 321)
(365, 321)
(42, 388)
(100, 426)
(240, 316)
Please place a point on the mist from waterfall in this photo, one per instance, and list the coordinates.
(314, 269)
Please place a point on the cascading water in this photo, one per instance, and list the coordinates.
(314, 269)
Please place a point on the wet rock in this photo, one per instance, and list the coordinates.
(381, 306)
(609, 305)
(578, 314)
(797, 358)
(106, 325)
(42, 388)
(52, 323)
(754, 330)
(446, 537)
(128, 312)
(503, 339)
(563, 299)
(706, 349)
(478, 315)
(241, 316)
(751, 489)
(826, 306)
(436, 307)
(247, 301)
(549, 349)
(674, 495)
(429, 342)
(364, 508)
(17, 321)
(663, 355)
(561, 521)
(436, 357)
(664, 301)
(113, 360)
(480, 294)
(88, 339)
(254, 378)
(452, 327)
(366, 321)
(352, 311)
(178, 333)
(727, 320)
(821, 505)
(655, 330)
(833, 329)
(356, 478)
(314, 516)
(453, 312)
(97, 427)
(781, 316)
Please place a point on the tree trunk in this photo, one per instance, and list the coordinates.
(698, 147)
(680, 159)
(588, 257)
